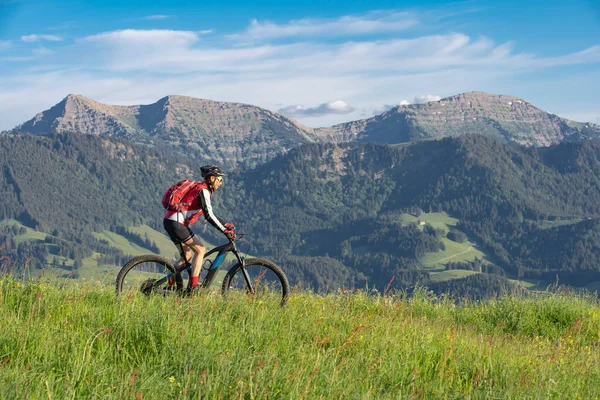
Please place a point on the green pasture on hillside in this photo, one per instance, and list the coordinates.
(531, 284)
(167, 249)
(30, 235)
(454, 252)
(439, 220)
(121, 243)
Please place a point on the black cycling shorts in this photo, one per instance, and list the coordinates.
(177, 231)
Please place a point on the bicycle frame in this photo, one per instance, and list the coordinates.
(218, 261)
(214, 266)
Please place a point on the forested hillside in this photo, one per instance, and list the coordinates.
(347, 201)
(70, 185)
(333, 215)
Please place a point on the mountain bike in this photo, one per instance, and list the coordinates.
(153, 274)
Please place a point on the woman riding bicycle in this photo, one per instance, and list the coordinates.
(194, 203)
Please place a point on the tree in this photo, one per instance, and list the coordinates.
(456, 236)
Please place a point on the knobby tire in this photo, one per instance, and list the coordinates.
(236, 273)
(147, 258)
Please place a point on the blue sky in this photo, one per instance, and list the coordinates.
(321, 62)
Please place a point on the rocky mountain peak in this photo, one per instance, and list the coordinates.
(507, 118)
(231, 134)
(77, 97)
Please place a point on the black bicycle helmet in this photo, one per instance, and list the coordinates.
(209, 170)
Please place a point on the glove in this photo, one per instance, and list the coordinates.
(230, 231)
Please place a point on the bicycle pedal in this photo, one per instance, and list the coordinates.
(189, 292)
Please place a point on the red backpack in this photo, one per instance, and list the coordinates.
(172, 199)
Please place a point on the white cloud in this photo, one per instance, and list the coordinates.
(589, 55)
(156, 37)
(36, 54)
(4, 44)
(426, 98)
(373, 22)
(42, 51)
(334, 107)
(420, 99)
(132, 49)
(170, 51)
(379, 110)
(157, 17)
(17, 59)
(206, 31)
(36, 38)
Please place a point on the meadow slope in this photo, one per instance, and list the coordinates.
(81, 341)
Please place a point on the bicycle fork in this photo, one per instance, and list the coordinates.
(248, 281)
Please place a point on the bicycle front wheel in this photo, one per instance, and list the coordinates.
(143, 273)
(260, 278)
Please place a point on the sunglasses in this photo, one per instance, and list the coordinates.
(219, 179)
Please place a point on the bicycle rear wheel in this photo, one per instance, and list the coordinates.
(142, 273)
(262, 279)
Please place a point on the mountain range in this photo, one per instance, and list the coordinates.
(369, 202)
(233, 134)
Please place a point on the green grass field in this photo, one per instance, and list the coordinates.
(81, 341)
